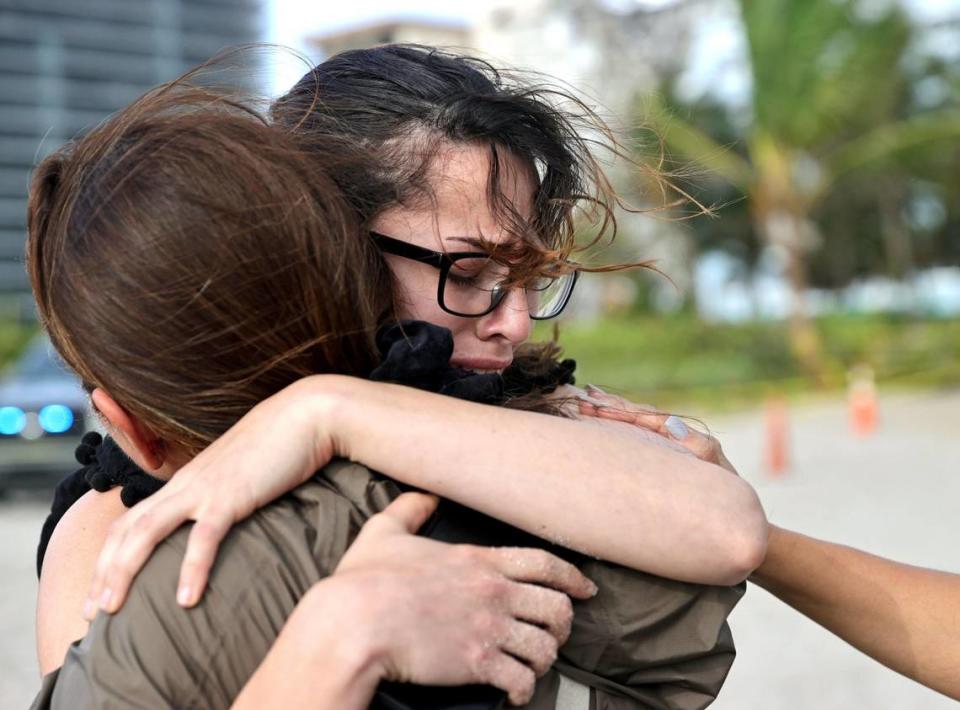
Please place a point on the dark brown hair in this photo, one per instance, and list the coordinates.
(405, 103)
(192, 259)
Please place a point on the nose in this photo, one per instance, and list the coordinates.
(510, 319)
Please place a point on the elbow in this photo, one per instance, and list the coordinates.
(746, 547)
(746, 556)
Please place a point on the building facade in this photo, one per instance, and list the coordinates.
(67, 64)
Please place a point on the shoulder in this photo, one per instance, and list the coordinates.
(67, 572)
(366, 491)
(263, 567)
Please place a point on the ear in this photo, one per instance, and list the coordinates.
(138, 442)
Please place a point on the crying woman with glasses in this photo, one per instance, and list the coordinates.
(464, 186)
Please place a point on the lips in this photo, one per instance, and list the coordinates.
(480, 364)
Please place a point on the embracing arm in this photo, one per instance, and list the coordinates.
(318, 660)
(583, 483)
(590, 485)
(907, 618)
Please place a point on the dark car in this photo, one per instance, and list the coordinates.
(43, 413)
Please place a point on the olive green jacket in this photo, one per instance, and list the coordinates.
(642, 642)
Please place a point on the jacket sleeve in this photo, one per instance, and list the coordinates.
(154, 654)
(664, 643)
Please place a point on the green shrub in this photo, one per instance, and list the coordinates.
(682, 359)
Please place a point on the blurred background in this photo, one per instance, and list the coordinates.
(811, 320)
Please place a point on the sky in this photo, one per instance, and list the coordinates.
(292, 18)
(713, 62)
(291, 21)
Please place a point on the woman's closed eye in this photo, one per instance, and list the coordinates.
(478, 273)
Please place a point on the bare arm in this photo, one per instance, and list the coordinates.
(590, 485)
(907, 618)
(318, 660)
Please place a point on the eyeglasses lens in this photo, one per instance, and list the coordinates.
(473, 285)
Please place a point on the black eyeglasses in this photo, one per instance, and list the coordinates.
(472, 284)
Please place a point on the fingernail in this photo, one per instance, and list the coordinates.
(183, 595)
(593, 589)
(593, 389)
(106, 598)
(677, 427)
(89, 609)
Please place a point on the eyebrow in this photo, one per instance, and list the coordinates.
(470, 241)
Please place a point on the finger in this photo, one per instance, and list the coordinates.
(96, 594)
(604, 406)
(702, 445)
(202, 545)
(648, 418)
(545, 607)
(100, 595)
(531, 644)
(540, 567)
(409, 511)
(724, 462)
(510, 675)
(597, 395)
(650, 421)
(142, 535)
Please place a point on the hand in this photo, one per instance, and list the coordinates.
(224, 484)
(456, 614)
(594, 402)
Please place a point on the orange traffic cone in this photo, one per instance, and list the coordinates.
(862, 401)
(776, 453)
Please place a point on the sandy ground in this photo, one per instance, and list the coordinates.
(895, 494)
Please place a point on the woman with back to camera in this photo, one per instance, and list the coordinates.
(150, 272)
(716, 503)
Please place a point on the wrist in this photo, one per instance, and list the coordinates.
(345, 639)
(324, 401)
(768, 573)
(318, 648)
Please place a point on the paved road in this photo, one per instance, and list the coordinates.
(895, 494)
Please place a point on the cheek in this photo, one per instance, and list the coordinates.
(420, 303)
(416, 295)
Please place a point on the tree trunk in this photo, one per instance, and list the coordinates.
(790, 236)
(897, 241)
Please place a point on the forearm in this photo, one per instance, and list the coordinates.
(326, 665)
(907, 618)
(580, 483)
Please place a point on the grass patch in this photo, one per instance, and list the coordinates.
(681, 360)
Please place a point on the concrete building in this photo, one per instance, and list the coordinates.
(415, 30)
(608, 53)
(66, 64)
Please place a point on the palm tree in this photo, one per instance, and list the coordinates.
(826, 88)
